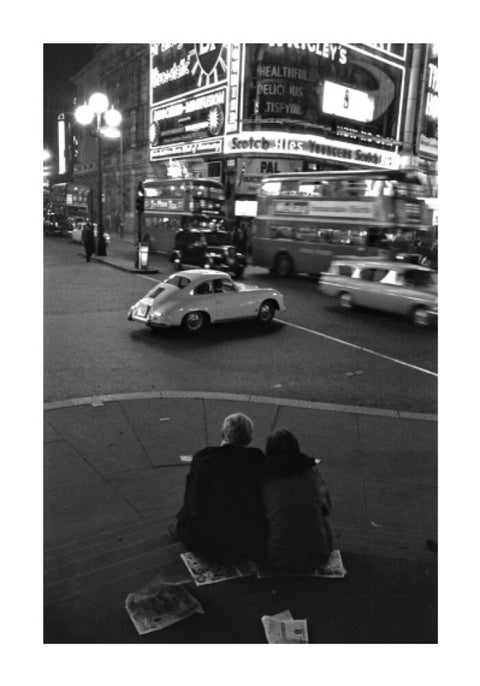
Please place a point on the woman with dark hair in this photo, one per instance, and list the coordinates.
(296, 505)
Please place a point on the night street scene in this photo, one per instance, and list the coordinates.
(240, 344)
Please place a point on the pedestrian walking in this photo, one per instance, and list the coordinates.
(88, 240)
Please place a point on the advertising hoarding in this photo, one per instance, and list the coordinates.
(188, 92)
(344, 91)
(428, 131)
(304, 145)
(330, 101)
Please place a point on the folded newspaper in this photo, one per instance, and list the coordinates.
(282, 628)
(332, 569)
(165, 606)
(205, 572)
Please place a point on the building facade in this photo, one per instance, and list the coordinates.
(121, 72)
(236, 112)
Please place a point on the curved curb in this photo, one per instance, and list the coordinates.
(99, 400)
(122, 265)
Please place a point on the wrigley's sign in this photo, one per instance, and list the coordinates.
(301, 145)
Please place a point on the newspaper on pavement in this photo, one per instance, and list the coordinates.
(205, 572)
(333, 568)
(165, 606)
(282, 628)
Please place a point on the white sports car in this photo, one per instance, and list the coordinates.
(195, 298)
(397, 287)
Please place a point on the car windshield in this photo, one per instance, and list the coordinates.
(178, 281)
(417, 277)
(217, 238)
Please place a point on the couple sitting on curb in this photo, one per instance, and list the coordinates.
(242, 503)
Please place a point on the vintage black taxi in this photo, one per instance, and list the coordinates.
(208, 249)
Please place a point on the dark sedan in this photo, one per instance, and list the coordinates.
(208, 250)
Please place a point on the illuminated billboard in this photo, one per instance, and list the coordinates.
(188, 92)
(333, 101)
(342, 91)
(428, 133)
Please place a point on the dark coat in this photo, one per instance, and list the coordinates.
(89, 239)
(296, 502)
(222, 513)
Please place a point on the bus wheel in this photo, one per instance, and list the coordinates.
(420, 316)
(345, 300)
(266, 312)
(194, 322)
(283, 265)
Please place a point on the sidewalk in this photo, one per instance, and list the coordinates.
(114, 480)
(121, 254)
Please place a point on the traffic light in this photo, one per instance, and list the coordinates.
(140, 201)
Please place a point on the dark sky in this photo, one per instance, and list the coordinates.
(60, 62)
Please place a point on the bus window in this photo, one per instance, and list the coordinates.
(290, 188)
(281, 231)
(308, 189)
(374, 188)
(307, 233)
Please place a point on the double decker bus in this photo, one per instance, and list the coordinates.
(70, 199)
(63, 204)
(173, 204)
(304, 219)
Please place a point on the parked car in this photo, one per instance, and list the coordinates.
(209, 250)
(77, 231)
(55, 224)
(391, 286)
(195, 298)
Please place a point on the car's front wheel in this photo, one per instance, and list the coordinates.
(266, 312)
(346, 301)
(194, 322)
(420, 316)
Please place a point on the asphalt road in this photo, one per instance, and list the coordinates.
(313, 351)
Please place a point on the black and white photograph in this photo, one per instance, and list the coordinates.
(240, 264)
(238, 349)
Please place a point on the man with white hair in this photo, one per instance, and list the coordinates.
(222, 514)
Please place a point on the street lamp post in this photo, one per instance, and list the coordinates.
(97, 111)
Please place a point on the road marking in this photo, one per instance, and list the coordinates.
(358, 347)
(149, 278)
